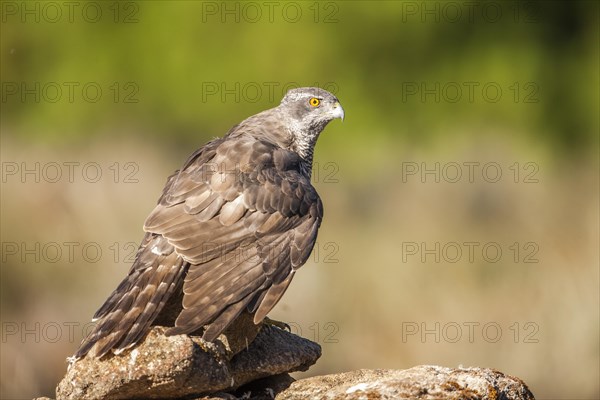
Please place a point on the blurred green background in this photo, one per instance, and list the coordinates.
(101, 101)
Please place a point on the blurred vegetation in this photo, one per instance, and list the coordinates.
(186, 71)
(171, 51)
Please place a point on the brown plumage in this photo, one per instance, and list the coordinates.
(229, 231)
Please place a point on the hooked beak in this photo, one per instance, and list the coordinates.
(337, 111)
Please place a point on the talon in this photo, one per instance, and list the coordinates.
(279, 324)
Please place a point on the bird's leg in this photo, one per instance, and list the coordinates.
(279, 324)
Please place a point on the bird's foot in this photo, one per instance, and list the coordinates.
(279, 324)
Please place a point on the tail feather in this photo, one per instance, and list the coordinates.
(127, 314)
(156, 300)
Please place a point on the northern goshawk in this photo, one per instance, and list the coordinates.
(228, 233)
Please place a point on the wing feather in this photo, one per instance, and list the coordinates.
(271, 297)
(257, 201)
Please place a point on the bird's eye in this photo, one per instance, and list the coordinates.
(314, 102)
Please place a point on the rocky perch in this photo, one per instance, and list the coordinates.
(255, 365)
(423, 382)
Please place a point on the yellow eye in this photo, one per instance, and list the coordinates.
(314, 102)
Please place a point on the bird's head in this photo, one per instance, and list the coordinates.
(306, 112)
(311, 109)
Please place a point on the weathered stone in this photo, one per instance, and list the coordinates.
(181, 365)
(421, 382)
(262, 389)
(252, 362)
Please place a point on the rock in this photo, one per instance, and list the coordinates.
(262, 389)
(252, 362)
(181, 365)
(421, 382)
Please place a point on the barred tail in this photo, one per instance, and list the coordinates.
(125, 317)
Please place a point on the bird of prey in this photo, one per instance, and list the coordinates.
(229, 231)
